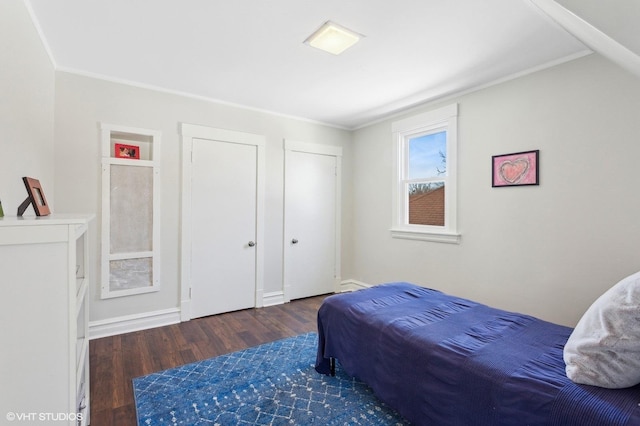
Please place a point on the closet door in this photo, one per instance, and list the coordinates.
(223, 220)
(311, 220)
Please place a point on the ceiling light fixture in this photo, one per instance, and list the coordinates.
(333, 38)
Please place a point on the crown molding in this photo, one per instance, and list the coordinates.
(591, 36)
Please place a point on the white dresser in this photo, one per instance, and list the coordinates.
(44, 315)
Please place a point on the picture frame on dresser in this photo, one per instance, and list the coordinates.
(35, 197)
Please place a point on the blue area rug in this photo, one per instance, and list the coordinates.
(270, 384)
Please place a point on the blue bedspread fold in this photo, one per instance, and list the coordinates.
(444, 360)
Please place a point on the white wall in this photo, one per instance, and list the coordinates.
(26, 108)
(548, 250)
(82, 103)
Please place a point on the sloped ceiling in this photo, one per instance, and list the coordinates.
(619, 19)
(251, 53)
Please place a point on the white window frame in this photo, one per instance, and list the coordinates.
(442, 119)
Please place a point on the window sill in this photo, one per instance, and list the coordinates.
(436, 237)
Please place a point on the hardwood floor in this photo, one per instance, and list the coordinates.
(116, 360)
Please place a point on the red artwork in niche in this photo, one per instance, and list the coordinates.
(127, 151)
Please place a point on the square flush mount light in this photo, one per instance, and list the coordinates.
(333, 38)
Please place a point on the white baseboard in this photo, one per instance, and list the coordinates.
(146, 320)
(352, 285)
(277, 297)
(273, 298)
(185, 310)
(136, 322)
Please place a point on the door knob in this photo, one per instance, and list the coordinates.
(251, 244)
(294, 241)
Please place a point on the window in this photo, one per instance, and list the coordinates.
(425, 179)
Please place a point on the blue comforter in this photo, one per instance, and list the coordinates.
(442, 360)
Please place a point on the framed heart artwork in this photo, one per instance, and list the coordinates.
(516, 169)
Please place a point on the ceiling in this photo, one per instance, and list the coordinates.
(251, 52)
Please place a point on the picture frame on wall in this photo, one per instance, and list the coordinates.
(515, 169)
(127, 151)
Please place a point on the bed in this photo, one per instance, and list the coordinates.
(444, 360)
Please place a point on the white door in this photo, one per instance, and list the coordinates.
(310, 224)
(223, 227)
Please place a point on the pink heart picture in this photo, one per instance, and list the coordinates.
(519, 168)
(514, 171)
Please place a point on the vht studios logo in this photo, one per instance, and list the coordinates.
(44, 417)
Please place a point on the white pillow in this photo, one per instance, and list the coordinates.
(604, 348)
